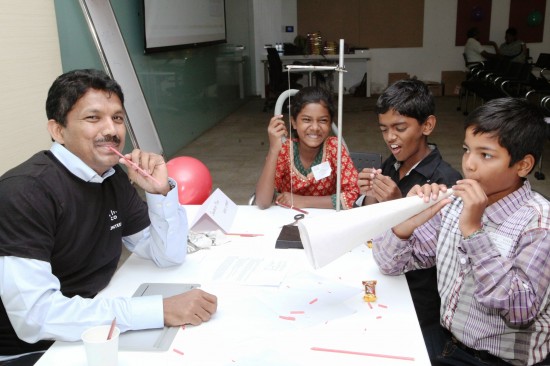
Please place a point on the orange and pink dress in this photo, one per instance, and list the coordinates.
(303, 180)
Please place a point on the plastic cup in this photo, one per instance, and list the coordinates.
(99, 350)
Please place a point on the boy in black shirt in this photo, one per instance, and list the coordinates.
(406, 118)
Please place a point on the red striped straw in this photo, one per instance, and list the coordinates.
(134, 165)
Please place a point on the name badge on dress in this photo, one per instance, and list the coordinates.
(321, 171)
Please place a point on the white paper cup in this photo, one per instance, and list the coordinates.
(99, 350)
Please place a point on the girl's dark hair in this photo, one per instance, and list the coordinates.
(312, 94)
(68, 88)
(518, 124)
(409, 97)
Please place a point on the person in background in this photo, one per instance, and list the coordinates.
(491, 242)
(513, 48)
(406, 118)
(66, 212)
(474, 51)
(302, 170)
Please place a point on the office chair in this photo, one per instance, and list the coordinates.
(363, 160)
(483, 82)
(541, 98)
(545, 104)
(278, 79)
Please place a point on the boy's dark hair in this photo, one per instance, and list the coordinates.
(312, 94)
(518, 124)
(68, 88)
(409, 97)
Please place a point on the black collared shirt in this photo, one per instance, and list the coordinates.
(431, 169)
(423, 282)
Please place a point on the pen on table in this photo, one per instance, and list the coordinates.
(292, 207)
(111, 330)
(244, 234)
(134, 164)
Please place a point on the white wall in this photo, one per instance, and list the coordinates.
(270, 16)
(30, 61)
(437, 54)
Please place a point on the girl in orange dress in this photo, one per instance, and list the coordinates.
(306, 164)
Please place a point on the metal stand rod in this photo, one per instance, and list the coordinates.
(340, 104)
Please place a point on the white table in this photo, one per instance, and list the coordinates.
(247, 328)
(355, 64)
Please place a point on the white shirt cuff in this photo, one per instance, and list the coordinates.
(147, 312)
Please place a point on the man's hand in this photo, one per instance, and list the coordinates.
(154, 165)
(192, 307)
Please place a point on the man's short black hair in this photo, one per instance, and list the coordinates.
(68, 88)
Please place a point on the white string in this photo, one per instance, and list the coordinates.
(290, 144)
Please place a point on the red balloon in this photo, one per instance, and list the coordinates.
(193, 178)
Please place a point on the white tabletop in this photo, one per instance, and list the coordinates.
(296, 323)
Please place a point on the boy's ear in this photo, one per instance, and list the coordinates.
(56, 131)
(429, 125)
(525, 165)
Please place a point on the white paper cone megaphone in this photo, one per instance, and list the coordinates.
(326, 238)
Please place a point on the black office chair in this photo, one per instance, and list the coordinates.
(541, 98)
(363, 160)
(278, 79)
(481, 82)
(545, 104)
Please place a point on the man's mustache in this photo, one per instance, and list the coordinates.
(114, 139)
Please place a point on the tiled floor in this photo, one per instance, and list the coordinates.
(235, 149)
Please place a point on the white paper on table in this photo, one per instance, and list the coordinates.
(311, 300)
(326, 238)
(245, 270)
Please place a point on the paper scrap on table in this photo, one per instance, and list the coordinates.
(247, 270)
(296, 295)
(327, 237)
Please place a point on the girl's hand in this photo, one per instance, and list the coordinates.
(475, 201)
(289, 199)
(276, 130)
